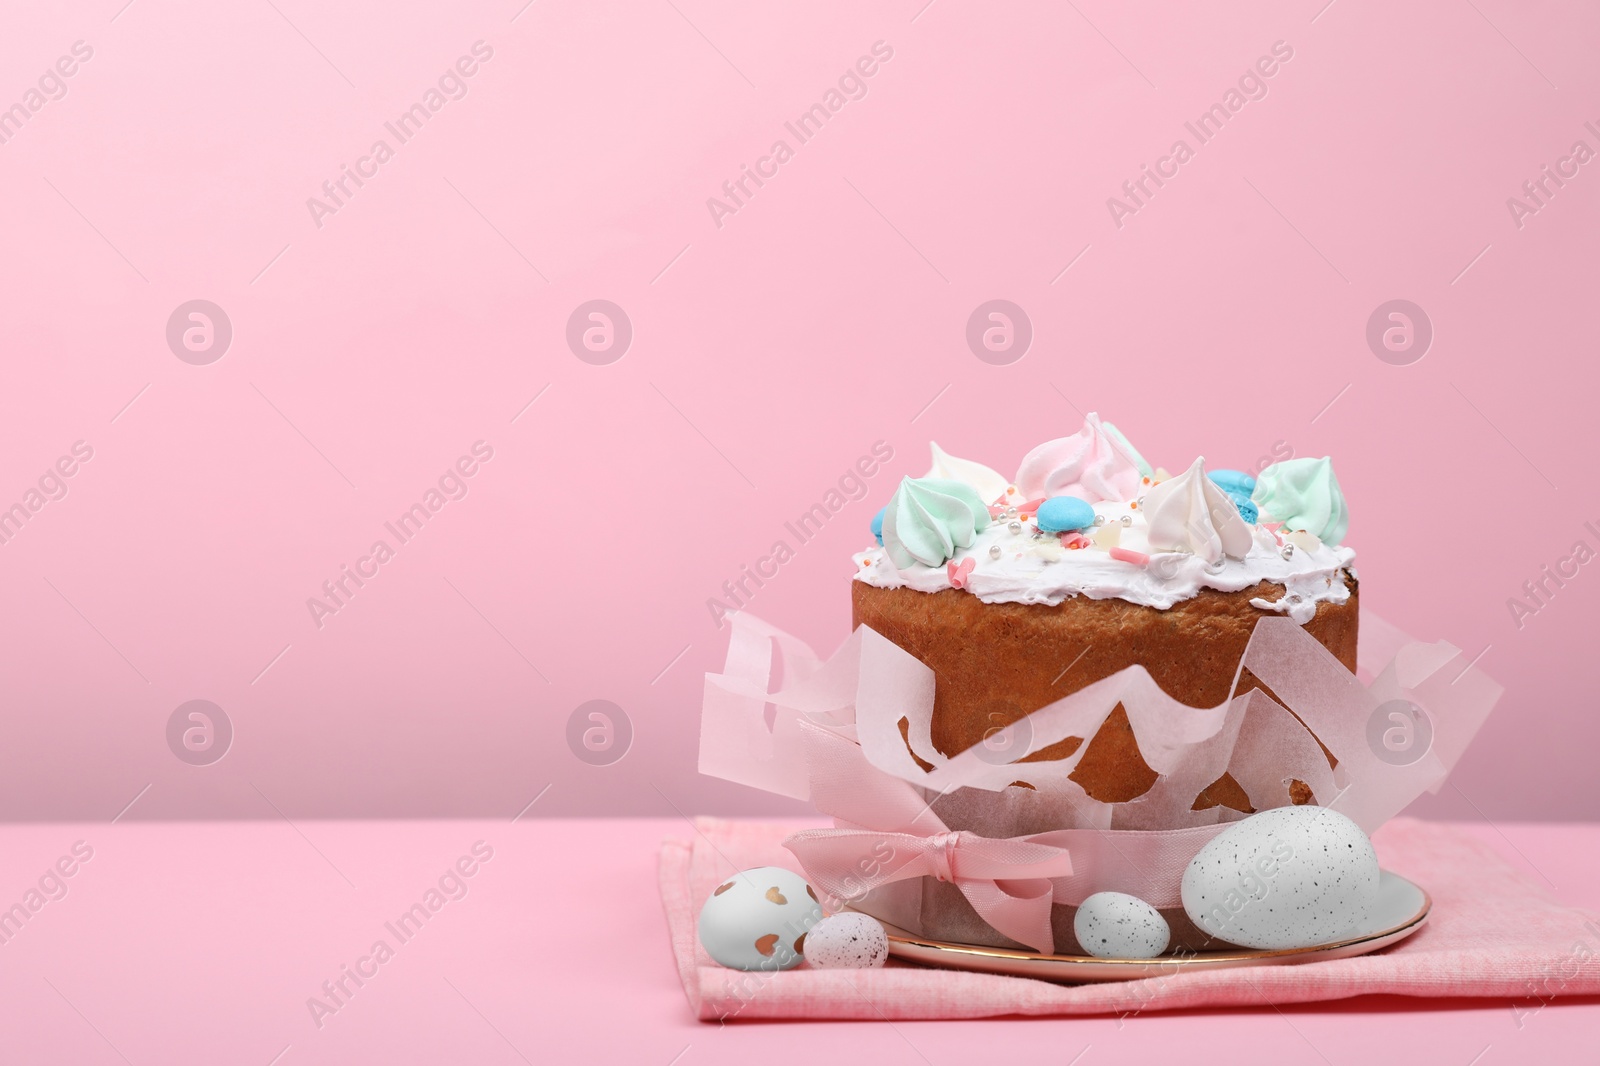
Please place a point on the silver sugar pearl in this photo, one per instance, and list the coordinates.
(1288, 551)
(1099, 519)
(1127, 519)
(1015, 527)
(1011, 512)
(994, 551)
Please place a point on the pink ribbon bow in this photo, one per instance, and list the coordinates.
(1008, 882)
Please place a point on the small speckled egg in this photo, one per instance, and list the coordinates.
(1061, 513)
(758, 919)
(1115, 925)
(847, 941)
(1292, 877)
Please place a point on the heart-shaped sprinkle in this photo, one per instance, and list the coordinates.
(722, 888)
(775, 896)
(767, 944)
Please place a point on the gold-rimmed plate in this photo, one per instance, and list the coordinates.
(1400, 910)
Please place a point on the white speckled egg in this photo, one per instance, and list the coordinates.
(847, 941)
(758, 919)
(1293, 877)
(1115, 925)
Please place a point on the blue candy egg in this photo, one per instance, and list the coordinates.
(1247, 510)
(1061, 513)
(1234, 482)
(877, 525)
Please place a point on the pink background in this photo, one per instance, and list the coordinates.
(1227, 316)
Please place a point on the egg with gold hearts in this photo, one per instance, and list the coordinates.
(758, 919)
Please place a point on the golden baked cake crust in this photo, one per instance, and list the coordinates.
(994, 663)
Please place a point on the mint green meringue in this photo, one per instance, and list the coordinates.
(1304, 494)
(928, 519)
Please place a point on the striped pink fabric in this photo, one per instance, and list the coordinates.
(1493, 933)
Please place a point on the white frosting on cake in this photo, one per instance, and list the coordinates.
(1035, 567)
(1039, 570)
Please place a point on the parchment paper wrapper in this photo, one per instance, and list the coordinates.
(832, 735)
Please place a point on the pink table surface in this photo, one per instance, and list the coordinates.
(203, 942)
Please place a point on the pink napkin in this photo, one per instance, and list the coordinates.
(1493, 932)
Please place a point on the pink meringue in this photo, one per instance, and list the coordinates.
(1091, 465)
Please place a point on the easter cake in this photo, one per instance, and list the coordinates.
(1017, 592)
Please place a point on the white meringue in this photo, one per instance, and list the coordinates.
(1189, 513)
(988, 483)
